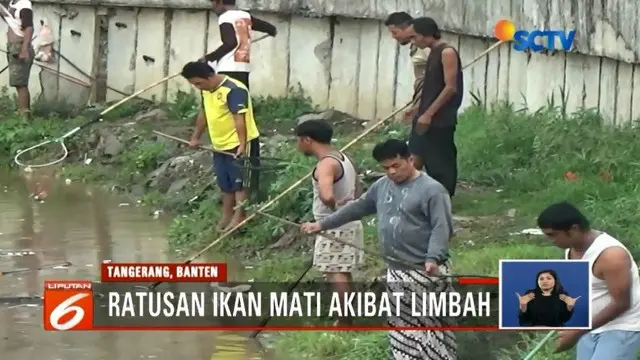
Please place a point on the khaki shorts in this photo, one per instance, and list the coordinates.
(19, 71)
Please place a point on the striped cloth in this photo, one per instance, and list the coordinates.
(419, 344)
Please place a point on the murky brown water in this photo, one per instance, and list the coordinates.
(85, 228)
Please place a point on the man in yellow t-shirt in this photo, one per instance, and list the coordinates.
(228, 114)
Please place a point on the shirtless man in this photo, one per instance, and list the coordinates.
(398, 24)
(615, 286)
(335, 182)
(20, 53)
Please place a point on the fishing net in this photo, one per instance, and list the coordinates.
(49, 152)
(258, 171)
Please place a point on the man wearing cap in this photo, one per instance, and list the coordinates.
(432, 135)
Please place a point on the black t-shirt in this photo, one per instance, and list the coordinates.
(545, 311)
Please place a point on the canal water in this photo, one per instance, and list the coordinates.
(85, 226)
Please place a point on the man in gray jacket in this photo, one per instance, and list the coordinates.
(414, 228)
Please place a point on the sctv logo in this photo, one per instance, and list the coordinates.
(534, 40)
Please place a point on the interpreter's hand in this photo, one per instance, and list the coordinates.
(194, 143)
(431, 268)
(24, 55)
(310, 227)
(423, 123)
(242, 149)
(526, 298)
(571, 302)
(567, 339)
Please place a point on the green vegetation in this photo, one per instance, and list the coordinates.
(523, 162)
(512, 165)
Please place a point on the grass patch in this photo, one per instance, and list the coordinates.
(529, 158)
(332, 346)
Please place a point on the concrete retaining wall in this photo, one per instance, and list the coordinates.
(604, 27)
(349, 63)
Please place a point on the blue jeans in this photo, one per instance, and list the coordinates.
(614, 344)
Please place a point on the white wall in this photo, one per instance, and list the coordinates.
(350, 64)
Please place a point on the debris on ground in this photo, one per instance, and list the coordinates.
(528, 232)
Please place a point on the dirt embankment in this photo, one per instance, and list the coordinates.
(127, 155)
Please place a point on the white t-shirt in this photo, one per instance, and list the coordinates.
(13, 20)
(237, 60)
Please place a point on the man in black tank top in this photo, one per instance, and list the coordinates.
(431, 141)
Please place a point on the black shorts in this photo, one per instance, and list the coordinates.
(437, 149)
(230, 174)
(243, 77)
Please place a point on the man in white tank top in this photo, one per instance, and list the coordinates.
(615, 286)
(232, 57)
(335, 182)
